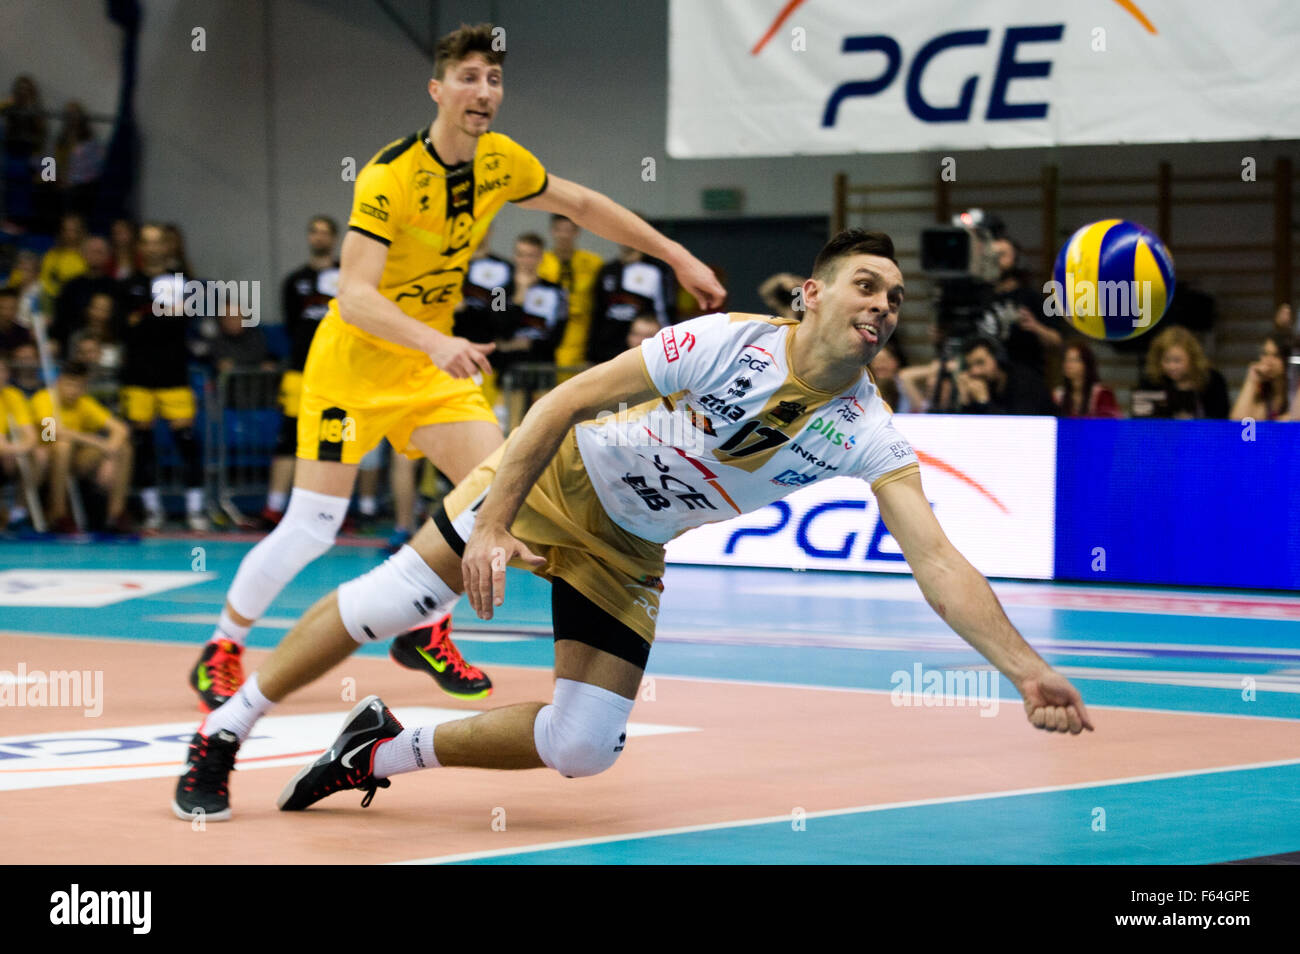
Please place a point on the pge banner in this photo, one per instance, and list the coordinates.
(990, 480)
(798, 77)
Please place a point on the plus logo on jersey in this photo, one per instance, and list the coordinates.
(824, 427)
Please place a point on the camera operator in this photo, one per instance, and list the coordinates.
(1015, 310)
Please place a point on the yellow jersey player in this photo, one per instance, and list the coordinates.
(384, 363)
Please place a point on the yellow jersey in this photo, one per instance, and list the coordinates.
(87, 416)
(432, 216)
(13, 405)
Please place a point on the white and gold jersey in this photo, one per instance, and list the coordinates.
(736, 430)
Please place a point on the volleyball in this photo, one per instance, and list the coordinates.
(1113, 280)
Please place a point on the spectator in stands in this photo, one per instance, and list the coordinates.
(155, 376)
(885, 371)
(991, 384)
(70, 307)
(536, 318)
(17, 438)
(573, 269)
(126, 252)
(304, 300)
(1264, 392)
(25, 279)
(1082, 394)
(98, 326)
(1015, 312)
(177, 260)
(781, 293)
(24, 143)
(1179, 381)
(238, 347)
(64, 261)
(86, 440)
(25, 368)
(627, 286)
(12, 334)
(78, 156)
(641, 328)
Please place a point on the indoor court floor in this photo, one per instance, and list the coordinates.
(787, 717)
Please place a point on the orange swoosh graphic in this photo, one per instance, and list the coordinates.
(952, 471)
(793, 5)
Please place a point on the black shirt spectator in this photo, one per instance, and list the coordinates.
(70, 307)
(12, 334)
(1178, 381)
(627, 286)
(306, 293)
(1014, 315)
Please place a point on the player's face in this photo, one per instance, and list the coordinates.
(320, 238)
(861, 303)
(469, 93)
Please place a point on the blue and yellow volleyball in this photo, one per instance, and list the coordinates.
(1113, 280)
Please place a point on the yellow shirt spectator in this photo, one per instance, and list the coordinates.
(87, 416)
(16, 412)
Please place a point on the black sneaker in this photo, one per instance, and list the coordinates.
(204, 790)
(349, 762)
(218, 675)
(430, 650)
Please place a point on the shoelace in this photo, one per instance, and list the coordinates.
(210, 772)
(227, 671)
(447, 651)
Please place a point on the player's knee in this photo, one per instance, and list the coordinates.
(583, 731)
(400, 594)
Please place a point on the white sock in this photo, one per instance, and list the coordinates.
(367, 506)
(194, 500)
(17, 514)
(240, 712)
(227, 628)
(411, 751)
(275, 500)
(152, 499)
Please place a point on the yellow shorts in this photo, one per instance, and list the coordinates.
(354, 394)
(563, 522)
(290, 392)
(143, 405)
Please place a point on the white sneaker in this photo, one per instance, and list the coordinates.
(153, 522)
(198, 522)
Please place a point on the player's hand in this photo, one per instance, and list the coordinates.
(698, 279)
(460, 357)
(1051, 703)
(483, 567)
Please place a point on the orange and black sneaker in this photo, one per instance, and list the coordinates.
(430, 650)
(204, 790)
(218, 675)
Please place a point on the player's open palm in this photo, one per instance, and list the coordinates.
(460, 357)
(1051, 703)
(483, 567)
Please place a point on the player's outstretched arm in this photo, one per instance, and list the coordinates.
(598, 213)
(361, 266)
(490, 546)
(964, 600)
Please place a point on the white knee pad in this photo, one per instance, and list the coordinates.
(306, 531)
(582, 732)
(399, 594)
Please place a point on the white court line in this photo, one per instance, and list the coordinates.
(861, 809)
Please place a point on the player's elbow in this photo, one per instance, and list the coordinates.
(351, 299)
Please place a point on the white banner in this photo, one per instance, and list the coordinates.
(990, 480)
(798, 77)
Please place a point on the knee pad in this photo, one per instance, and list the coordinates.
(583, 730)
(400, 594)
(310, 524)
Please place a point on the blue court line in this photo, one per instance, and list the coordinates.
(1186, 820)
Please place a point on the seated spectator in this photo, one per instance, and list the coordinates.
(1179, 381)
(237, 347)
(70, 307)
(25, 280)
(1264, 393)
(12, 334)
(17, 438)
(79, 157)
(991, 384)
(886, 366)
(1083, 394)
(126, 253)
(778, 294)
(25, 368)
(85, 440)
(641, 328)
(98, 325)
(64, 261)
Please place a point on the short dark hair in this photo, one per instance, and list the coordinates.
(851, 242)
(8, 292)
(560, 217)
(530, 238)
(458, 44)
(75, 369)
(329, 223)
(994, 347)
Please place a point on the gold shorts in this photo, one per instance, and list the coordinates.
(355, 394)
(143, 405)
(563, 522)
